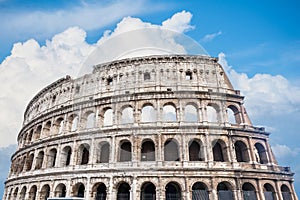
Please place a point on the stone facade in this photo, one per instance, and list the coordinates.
(156, 127)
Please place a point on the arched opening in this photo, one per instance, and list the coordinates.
(125, 151)
(108, 117)
(188, 75)
(233, 115)
(45, 192)
(37, 133)
(39, 160)
(90, 120)
(23, 193)
(190, 113)
(79, 190)
(32, 193)
(171, 150)
(127, 116)
(73, 122)
(148, 191)
(199, 191)
(104, 152)
(59, 125)
(241, 151)
(52, 157)
(285, 192)
(84, 154)
(29, 136)
(224, 191)
(148, 151)
(15, 194)
(219, 151)
(147, 76)
(249, 192)
(169, 113)
(123, 192)
(195, 153)
(173, 191)
(148, 113)
(60, 190)
(212, 113)
(100, 191)
(46, 129)
(269, 192)
(261, 154)
(66, 156)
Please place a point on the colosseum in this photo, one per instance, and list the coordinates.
(167, 127)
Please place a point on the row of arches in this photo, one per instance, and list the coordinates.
(148, 191)
(148, 113)
(148, 152)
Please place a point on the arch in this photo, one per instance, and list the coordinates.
(188, 75)
(148, 113)
(108, 117)
(45, 192)
(83, 154)
(233, 114)
(125, 151)
(241, 151)
(219, 151)
(59, 125)
(90, 120)
(10, 193)
(148, 151)
(199, 191)
(285, 192)
(99, 189)
(269, 192)
(52, 157)
(60, 190)
(22, 164)
(46, 129)
(37, 133)
(147, 76)
(66, 156)
(171, 150)
(148, 191)
(123, 191)
(73, 122)
(29, 136)
(29, 162)
(32, 193)
(23, 193)
(195, 151)
(261, 154)
(127, 115)
(173, 191)
(190, 113)
(225, 191)
(104, 152)
(169, 113)
(249, 192)
(212, 113)
(79, 190)
(15, 194)
(39, 160)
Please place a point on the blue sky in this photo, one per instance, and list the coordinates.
(260, 41)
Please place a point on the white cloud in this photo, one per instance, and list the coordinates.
(284, 152)
(210, 37)
(180, 22)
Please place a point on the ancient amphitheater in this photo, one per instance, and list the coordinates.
(155, 127)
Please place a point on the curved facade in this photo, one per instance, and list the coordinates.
(156, 127)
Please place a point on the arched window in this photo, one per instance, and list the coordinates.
(241, 152)
(32, 193)
(125, 151)
(171, 150)
(173, 191)
(148, 151)
(45, 192)
(22, 164)
(249, 192)
(148, 191)
(169, 113)
(212, 114)
(233, 115)
(123, 192)
(285, 192)
(219, 151)
(190, 113)
(46, 129)
(83, 154)
(195, 153)
(148, 113)
(100, 191)
(15, 195)
(188, 75)
(60, 190)
(127, 116)
(90, 120)
(147, 76)
(104, 152)
(29, 136)
(23, 193)
(73, 123)
(66, 156)
(79, 190)
(261, 153)
(108, 117)
(59, 125)
(224, 191)
(52, 157)
(37, 133)
(39, 160)
(269, 192)
(199, 191)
